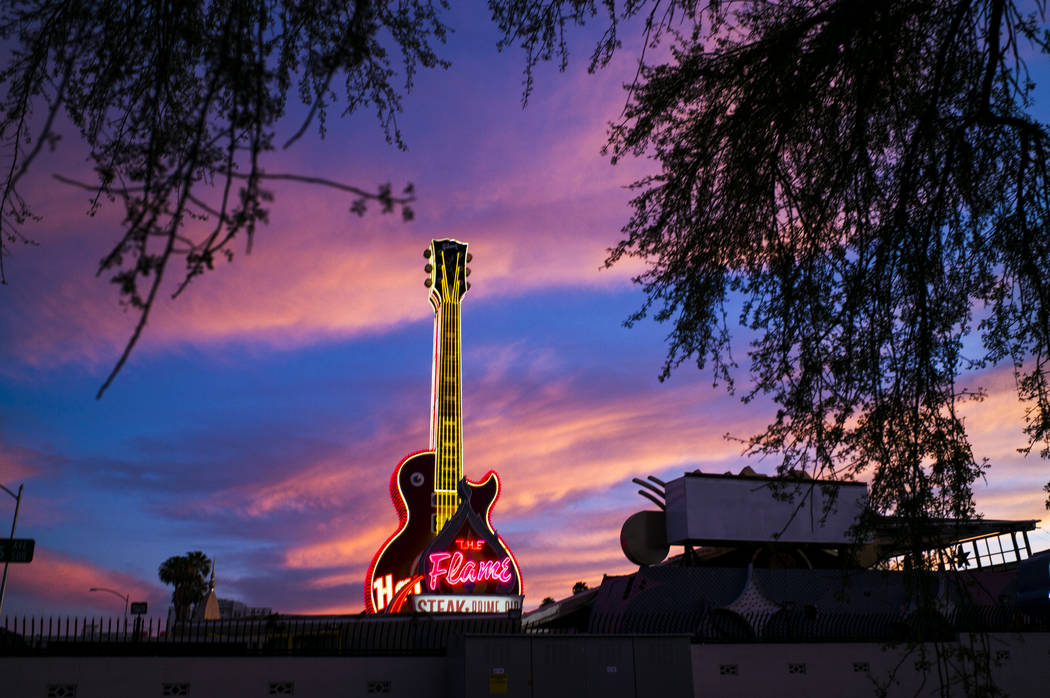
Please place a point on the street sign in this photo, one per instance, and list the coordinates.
(17, 549)
(138, 608)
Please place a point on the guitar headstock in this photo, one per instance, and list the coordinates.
(447, 270)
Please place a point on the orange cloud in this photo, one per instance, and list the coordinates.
(566, 544)
(354, 548)
(1013, 489)
(553, 447)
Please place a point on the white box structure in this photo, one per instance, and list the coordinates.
(708, 509)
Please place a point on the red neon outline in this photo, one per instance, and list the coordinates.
(514, 561)
(402, 514)
(488, 522)
(499, 487)
(402, 595)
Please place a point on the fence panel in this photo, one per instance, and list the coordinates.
(423, 635)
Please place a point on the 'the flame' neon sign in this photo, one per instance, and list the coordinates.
(457, 570)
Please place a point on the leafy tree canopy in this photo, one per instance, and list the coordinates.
(178, 104)
(189, 575)
(863, 187)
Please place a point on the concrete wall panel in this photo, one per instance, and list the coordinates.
(1020, 667)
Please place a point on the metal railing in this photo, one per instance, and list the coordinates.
(431, 635)
(273, 635)
(808, 624)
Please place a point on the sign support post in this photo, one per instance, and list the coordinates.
(14, 522)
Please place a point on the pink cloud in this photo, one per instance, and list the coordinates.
(15, 465)
(55, 580)
(552, 449)
(579, 546)
(547, 211)
(551, 562)
(553, 445)
(304, 283)
(547, 445)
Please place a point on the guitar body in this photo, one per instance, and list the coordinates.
(411, 490)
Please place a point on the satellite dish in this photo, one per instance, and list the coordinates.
(644, 537)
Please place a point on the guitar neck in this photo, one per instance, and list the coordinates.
(447, 438)
(446, 435)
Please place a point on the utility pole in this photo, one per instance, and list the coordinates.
(14, 522)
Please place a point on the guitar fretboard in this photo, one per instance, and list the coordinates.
(447, 427)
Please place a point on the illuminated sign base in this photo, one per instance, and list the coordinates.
(465, 603)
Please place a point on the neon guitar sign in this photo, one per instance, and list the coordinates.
(437, 507)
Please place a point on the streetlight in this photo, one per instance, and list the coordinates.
(116, 593)
(14, 522)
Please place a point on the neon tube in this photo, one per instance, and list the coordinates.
(458, 571)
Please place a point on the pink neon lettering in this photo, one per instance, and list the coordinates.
(453, 568)
(436, 571)
(466, 544)
(505, 575)
(456, 570)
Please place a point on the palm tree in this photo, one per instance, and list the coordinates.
(188, 574)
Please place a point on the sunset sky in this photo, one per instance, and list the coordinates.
(262, 414)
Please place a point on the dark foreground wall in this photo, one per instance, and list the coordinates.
(219, 677)
(510, 665)
(553, 666)
(1019, 665)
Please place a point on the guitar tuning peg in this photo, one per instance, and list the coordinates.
(468, 271)
(469, 257)
(428, 268)
(427, 283)
(426, 253)
(468, 285)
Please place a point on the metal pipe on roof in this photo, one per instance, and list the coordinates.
(652, 499)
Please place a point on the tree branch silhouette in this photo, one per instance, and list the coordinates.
(180, 104)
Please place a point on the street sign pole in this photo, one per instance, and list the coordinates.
(11, 543)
